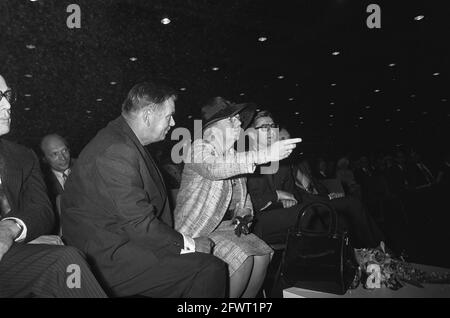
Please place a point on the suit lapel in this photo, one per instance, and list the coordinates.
(12, 177)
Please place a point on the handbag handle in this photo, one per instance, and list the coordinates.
(332, 229)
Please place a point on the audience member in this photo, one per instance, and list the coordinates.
(32, 270)
(213, 193)
(115, 208)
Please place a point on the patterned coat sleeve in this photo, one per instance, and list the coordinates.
(205, 160)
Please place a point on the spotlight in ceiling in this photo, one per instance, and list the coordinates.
(436, 74)
(392, 64)
(27, 95)
(376, 90)
(333, 84)
(133, 59)
(331, 103)
(88, 112)
(330, 124)
(257, 109)
(331, 116)
(398, 109)
(28, 75)
(419, 17)
(367, 107)
(280, 77)
(361, 117)
(99, 99)
(215, 68)
(424, 113)
(336, 53)
(291, 99)
(297, 84)
(241, 94)
(190, 116)
(113, 83)
(388, 120)
(30, 46)
(27, 108)
(297, 113)
(183, 89)
(412, 95)
(262, 39)
(444, 100)
(165, 20)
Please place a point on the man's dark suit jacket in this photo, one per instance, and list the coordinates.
(115, 207)
(263, 187)
(25, 189)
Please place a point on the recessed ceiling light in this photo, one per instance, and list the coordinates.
(30, 46)
(424, 113)
(392, 64)
(302, 122)
(444, 100)
(215, 68)
(361, 117)
(257, 109)
(412, 95)
(297, 113)
(190, 116)
(182, 88)
(297, 84)
(113, 83)
(262, 39)
(88, 112)
(335, 53)
(419, 17)
(242, 94)
(331, 103)
(330, 124)
(367, 107)
(331, 116)
(398, 109)
(388, 120)
(280, 76)
(28, 75)
(27, 95)
(436, 74)
(333, 84)
(377, 91)
(165, 21)
(291, 99)
(27, 108)
(99, 99)
(133, 59)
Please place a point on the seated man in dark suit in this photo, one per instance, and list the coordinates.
(115, 208)
(277, 199)
(32, 270)
(56, 156)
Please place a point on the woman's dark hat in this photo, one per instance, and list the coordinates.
(219, 108)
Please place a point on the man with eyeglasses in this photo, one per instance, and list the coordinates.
(32, 270)
(56, 156)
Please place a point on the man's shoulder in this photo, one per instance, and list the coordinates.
(16, 150)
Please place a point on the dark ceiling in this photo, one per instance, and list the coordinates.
(72, 81)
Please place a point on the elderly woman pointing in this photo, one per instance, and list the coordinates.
(213, 193)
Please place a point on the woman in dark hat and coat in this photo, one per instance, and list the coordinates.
(213, 193)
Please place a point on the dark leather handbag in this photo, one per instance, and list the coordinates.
(318, 260)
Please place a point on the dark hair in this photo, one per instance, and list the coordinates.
(261, 114)
(145, 94)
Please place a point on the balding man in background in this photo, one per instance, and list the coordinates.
(58, 163)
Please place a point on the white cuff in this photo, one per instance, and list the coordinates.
(20, 223)
(189, 245)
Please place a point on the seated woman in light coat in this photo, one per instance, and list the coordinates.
(213, 191)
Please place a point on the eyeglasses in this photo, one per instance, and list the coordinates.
(9, 95)
(268, 126)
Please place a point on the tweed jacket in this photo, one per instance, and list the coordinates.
(206, 187)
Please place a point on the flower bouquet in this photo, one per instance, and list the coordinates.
(378, 267)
